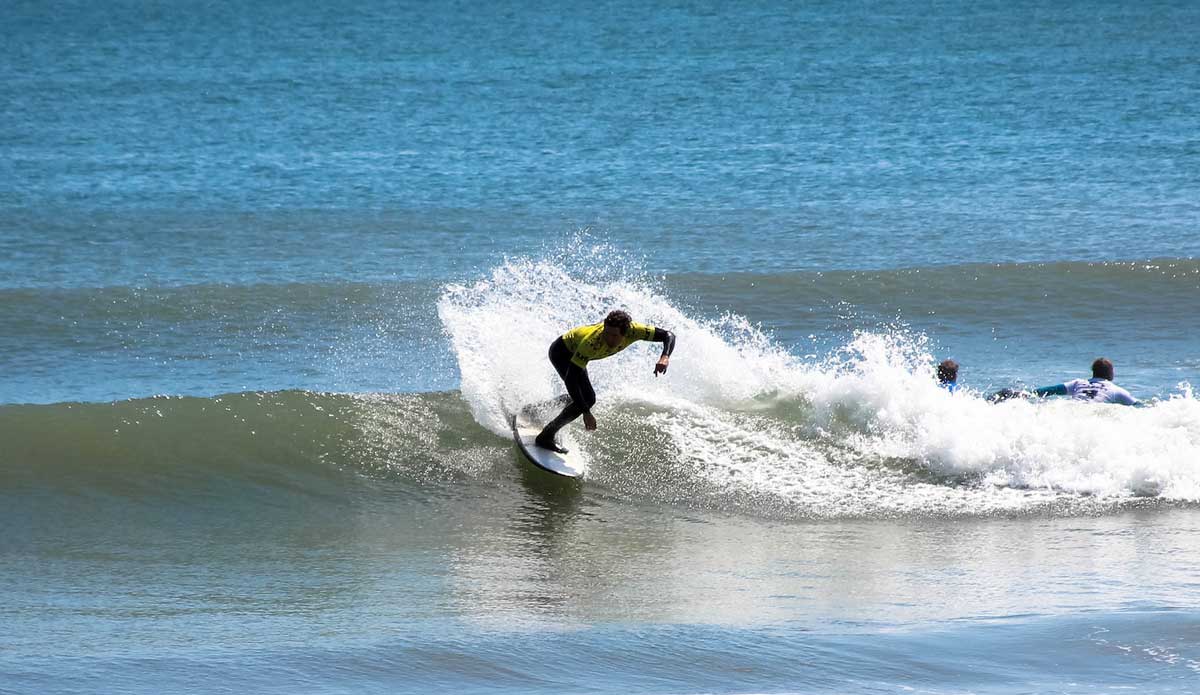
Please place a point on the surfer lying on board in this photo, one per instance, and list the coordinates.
(572, 351)
(1098, 389)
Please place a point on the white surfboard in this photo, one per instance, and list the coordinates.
(525, 429)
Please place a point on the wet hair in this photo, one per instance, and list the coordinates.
(947, 371)
(1102, 368)
(618, 319)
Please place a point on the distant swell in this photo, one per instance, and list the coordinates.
(1169, 285)
(1161, 290)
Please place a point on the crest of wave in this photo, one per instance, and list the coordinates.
(501, 327)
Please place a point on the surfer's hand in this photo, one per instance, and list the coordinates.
(1005, 394)
(589, 421)
(661, 367)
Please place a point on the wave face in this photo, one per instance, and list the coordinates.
(868, 436)
(175, 446)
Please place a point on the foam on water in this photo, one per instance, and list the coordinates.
(863, 430)
(879, 396)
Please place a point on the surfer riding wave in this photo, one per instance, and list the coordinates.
(571, 352)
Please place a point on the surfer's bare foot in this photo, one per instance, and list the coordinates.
(549, 443)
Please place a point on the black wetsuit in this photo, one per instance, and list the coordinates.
(579, 386)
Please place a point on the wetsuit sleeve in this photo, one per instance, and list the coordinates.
(1056, 390)
(667, 338)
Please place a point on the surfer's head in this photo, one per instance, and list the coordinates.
(947, 372)
(616, 326)
(1102, 368)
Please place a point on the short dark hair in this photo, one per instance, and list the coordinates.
(947, 371)
(1102, 368)
(618, 319)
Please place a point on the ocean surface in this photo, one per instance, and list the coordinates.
(273, 275)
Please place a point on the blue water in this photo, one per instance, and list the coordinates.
(816, 137)
(271, 274)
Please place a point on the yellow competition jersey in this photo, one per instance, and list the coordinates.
(587, 343)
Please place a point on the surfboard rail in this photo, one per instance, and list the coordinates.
(525, 430)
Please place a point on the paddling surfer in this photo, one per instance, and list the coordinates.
(1099, 389)
(571, 352)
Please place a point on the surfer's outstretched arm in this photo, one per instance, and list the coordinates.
(1005, 394)
(667, 338)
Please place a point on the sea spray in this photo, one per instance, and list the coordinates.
(863, 430)
(501, 327)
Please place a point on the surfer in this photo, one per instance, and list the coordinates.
(1099, 389)
(571, 352)
(947, 374)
